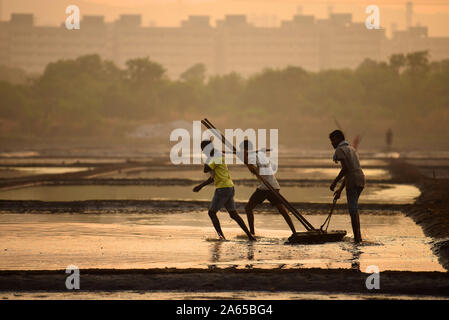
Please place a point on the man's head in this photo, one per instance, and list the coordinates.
(207, 147)
(336, 137)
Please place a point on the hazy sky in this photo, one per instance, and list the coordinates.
(433, 13)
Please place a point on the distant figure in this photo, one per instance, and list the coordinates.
(224, 188)
(354, 178)
(264, 168)
(389, 138)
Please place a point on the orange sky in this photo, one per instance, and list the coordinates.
(433, 13)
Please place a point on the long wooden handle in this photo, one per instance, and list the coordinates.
(276, 193)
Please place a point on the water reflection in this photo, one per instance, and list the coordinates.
(250, 255)
(216, 251)
(355, 250)
(187, 240)
(373, 193)
(241, 173)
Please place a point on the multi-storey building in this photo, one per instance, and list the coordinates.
(416, 39)
(232, 45)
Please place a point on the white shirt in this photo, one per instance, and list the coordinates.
(266, 169)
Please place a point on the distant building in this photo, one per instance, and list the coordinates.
(416, 39)
(344, 44)
(32, 48)
(232, 45)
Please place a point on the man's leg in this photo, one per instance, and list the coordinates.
(250, 215)
(284, 212)
(230, 206)
(216, 223)
(352, 196)
(281, 208)
(234, 215)
(256, 198)
(217, 203)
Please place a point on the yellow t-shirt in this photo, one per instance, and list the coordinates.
(222, 179)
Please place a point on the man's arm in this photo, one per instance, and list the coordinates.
(206, 169)
(340, 175)
(337, 193)
(203, 184)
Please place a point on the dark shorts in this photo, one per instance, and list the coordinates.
(223, 197)
(260, 196)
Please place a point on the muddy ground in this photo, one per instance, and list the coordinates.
(431, 209)
(301, 280)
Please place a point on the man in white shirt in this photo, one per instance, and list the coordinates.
(259, 162)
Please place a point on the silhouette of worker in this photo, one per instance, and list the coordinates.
(389, 138)
(354, 178)
(259, 162)
(224, 188)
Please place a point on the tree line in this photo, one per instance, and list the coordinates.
(89, 95)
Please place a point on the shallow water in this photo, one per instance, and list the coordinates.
(429, 162)
(101, 160)
(388, 193)
(60, 161)
(438, 173)
(242, 173)
(188, 240)
(326, 161)
(425, 154)
(25, 171)
(19, 154)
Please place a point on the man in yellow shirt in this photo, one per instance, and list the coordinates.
(224, 189)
